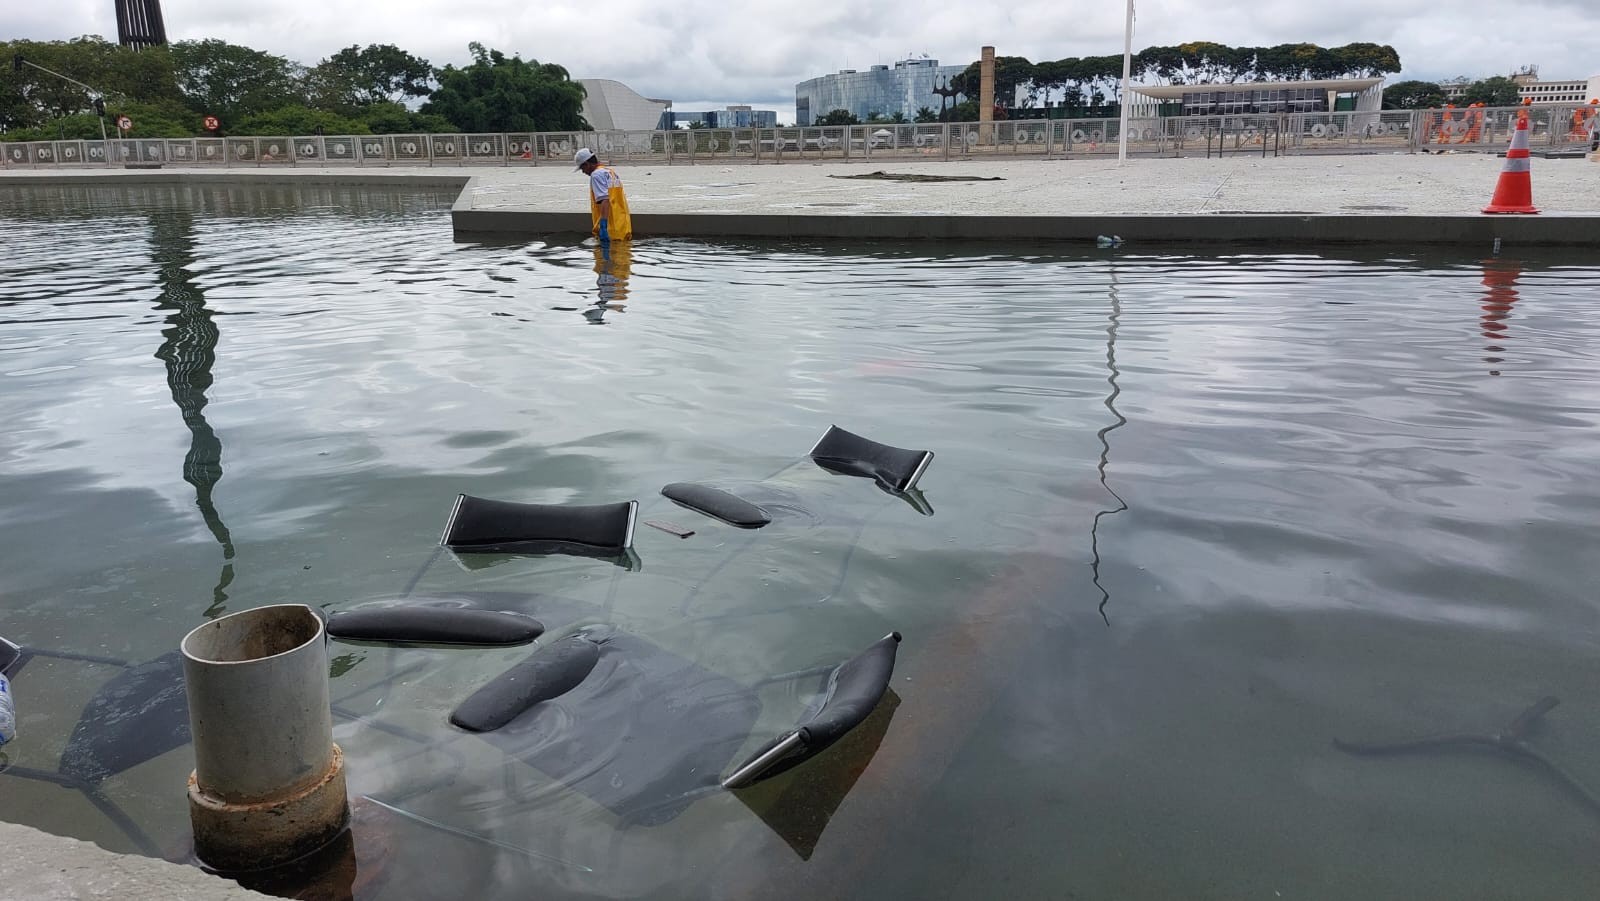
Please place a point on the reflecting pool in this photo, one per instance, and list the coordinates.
(1194, 517)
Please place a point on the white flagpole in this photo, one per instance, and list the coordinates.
(1127, 73)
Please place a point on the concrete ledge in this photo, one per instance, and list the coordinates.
(1478, 230)
(38, 866)
(402, 178)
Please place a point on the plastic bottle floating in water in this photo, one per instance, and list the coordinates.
(1108, 241)
(8, 712)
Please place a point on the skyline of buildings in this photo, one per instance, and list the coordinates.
(735, 115)
(906, 86)
(881, 90)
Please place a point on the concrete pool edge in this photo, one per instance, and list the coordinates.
(45, 867)
(1176, 228)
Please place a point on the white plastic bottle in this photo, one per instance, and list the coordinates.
(8, 712)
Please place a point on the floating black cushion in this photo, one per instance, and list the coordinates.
(854, 689)
(434, 625)
(547, 673)
(849, 454)
(718, 504)
(490, 526)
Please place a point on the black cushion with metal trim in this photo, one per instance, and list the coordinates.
(896, 468)
(487, 526)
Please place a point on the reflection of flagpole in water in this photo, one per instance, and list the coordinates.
(1105, 443)
(189, 349)
(1500, 278)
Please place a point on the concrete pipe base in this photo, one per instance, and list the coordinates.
(240, 837)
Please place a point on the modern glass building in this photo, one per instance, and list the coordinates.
(732, 117)
(880, 91)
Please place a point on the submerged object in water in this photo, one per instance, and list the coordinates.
(853, 691)
(10, 655)
(717, 504)
(488, 526)
(1512, 740)
(644, 734)
(896, 468)
(547, 673)
(426, 624)
(140, 714)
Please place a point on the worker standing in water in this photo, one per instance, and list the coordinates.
(608, 205)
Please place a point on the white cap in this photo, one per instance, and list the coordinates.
(583, 155)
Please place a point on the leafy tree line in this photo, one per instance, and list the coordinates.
(1496, 90)
(168, 91)
(1089, 82)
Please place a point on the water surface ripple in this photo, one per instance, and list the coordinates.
(1194, 516)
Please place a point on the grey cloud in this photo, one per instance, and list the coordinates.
(756, 51)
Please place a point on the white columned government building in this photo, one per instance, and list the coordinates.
(1362, 95)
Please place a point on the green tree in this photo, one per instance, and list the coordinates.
(378, 73)
(496, 93)
(295, 120)
(925, 114)
(1412, 95)
(1286, 62)
(395, 119)
(33, 98)
(154, 120)
(1012, 75)
(1163, 65)
(837, 117)
(232, 82)
(1204, 62)
(1496, 90)
(1362, 60)
(965, 111)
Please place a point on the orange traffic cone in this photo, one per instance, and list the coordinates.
(1514, 192)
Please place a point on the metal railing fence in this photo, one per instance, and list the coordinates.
(1397, 131)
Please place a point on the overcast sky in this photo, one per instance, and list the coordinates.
(701, 54)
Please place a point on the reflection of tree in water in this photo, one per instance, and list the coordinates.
(188, 347)
(1105, 443)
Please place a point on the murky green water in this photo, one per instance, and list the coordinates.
(1194, 518)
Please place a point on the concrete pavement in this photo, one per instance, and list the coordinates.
(37, 866)
(1399, 198)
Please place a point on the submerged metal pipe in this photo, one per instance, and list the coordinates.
(268, 784)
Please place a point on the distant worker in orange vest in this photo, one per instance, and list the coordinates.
(1447, 123)
(1472, 122)
(1594, 126)
(1580, 123)
(608, 206)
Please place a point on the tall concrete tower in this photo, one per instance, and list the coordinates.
(139, 24)
(985, 96)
